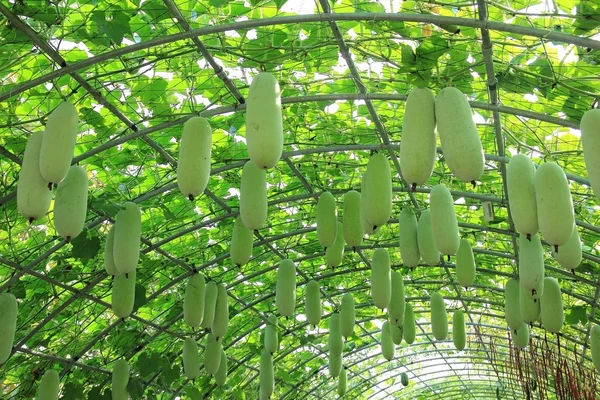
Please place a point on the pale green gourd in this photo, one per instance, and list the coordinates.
(530, 307)
(335, 364)
(465, 264)
(123, 294)
(367, 226)
(221, 375)
(397, 299)
(429, 253)
(193, 163)
(49, 386)
(335, 253)
(210, 304)
(212, 354)
(193, 300)
(109, 260)
(595, 346)
(128, 231)
(58, 143)
(242, 240)
(353, 231)
(387, 344)
(221, 319)
(335, 339)
(569, 255)
(342, 382)
(378, 191)
(70, 204)
(266, 377)
(590, 141)
(443, 220)
(191, 359)
(33, 195)
(8, 324)
(409, 246)
(271, 335)
(520, 336)
(520, 175)
(531, 266)
(459, 335)
(312, 303)
(327, 224)
(120, 379)
(397, 333)
(347, 315)
(285, 291)
(381, 285)
(551, 305)
(512, 304)
(439, 317)
(253, 196)
(409, 326)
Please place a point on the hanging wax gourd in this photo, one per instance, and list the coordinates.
(193, 300)
(387, 344)
(551, 305)
(347, 315)
(397, 333)
(335, 253)
(109, 261)
(378, 191)
(569, 255)
(595, 346)
(212, 354)
(335, 340)
(512, 304)
(285, 291)
(253, 196)
(381, 286)
(221, 319)
(465, 264)
(193, 163)
(342, 382)
(241, 243)
(327, 224)
(120, 379)
(266, 377)
(590, 141)
(521, 194)
(123, 294)
(8, 324)
(353, 231)
(271, 336)
(49, 386)
(335, 364)
(531, 266)
(367, 226)
(439, 318)
(530, 307)
(459, 335)
(404, 379)
(312, 304)
(520, 336)
(409, 326)
(128, 231)
(210, 304)
(221, 375)
(191, 359)
(443, 220)
(409, 246)
(429, 253)
(70, 204)
(397, 299)
(33, 195)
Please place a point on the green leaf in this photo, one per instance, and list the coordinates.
(73, 391)
(148, 364)
(577, 314)
(140, 296)
(170, 372)
(193, 393)
(18, 289)
(135, 388)
(85, 249)
(96, 394)
(115, 25)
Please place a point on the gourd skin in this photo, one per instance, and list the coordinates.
(8, 324)
(342, 382)
(381, 285)
(212, 354)
(429, 253)
(210, 304)
(193, 163)
(512, 304)
(404, 379)
(439, 318)
(551, 306)
(312, 305)
(335, 340)
(595, 346)
(128, 231)
(397, 333)
(123, 294)
(33, 195)
(264, 125)
(531, 266)
(49, 386)
(443, 220)
(556, 217)
(459, 335)
(364, 222)
(242, 240)
(418, 149)
(120, 379)
(569, 254)
(397, 299)
(409, 326)
(109, 261)
(221, 319)
(459, 138)
(271, 337)
(253, 196)
(353, 231)
(590, 141)
(520, 175)
(465, 264)
(193, 300)
(378, 191)
(347, 315)
(285, 291)
(387, 344)
(335, 253)
(191, 359)
(409, 246)
(530, 307)
(58, 143)
(70, 204)
(221, 375)
(327, 224)
(521, 337)
(335, 365)
(266, 378)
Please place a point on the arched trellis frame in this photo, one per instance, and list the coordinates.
(159, 328)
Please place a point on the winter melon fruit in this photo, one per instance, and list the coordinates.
(123, 294)
(58, 143)
(465, 264)
(342, 382)
(521, 194)
(191, 359)
(193, 300)
(242, 240)
(530, 307)
(590, 141)
(418, 148)
(334, 254)
(512, 304)
(8, 324)
(556, 217)
(381, 285)
(595, 346)
(347, 315)
(221, 375)
(70, 204)
(429, 253)
(367, 227)
(128, 231)
(459, 138)
(120, 379)
(551, 306)
(378, 191)
(264, 124)
(49, 386)
(353, 231)
(335, 340)
(267, 380)
(409, 246)
(327, 224)
(404, 379)
(439, 318)
(335, 365)
(443, 220)
(387, 344)
(253, 196)
(271, 335)
(33, 195)
(210, 303)
(312, 303)
(409, 326)
(285, 291)
(569, 255)
(397, 333)
(520, 336)
(109, 260)
(212, 354)
(221, 319)
(193, 163)
(459, 335)
(397, 299)
(531, 266)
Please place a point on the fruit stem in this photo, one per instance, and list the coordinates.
(474, 184)
(413, 187)
(529, 237)
(191, 197)
(556, 248)
(49, 185)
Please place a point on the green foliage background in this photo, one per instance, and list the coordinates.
(65, 321)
